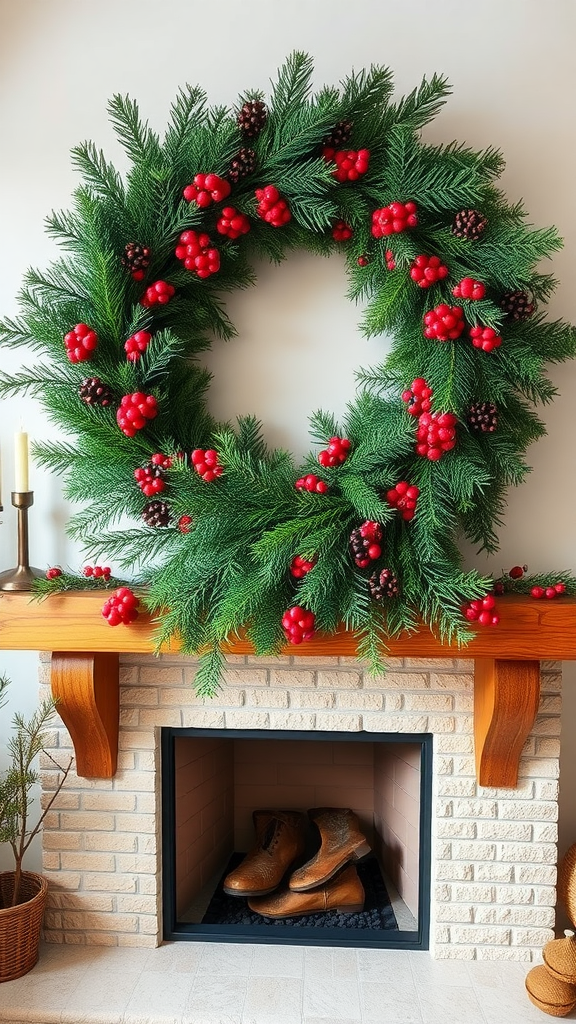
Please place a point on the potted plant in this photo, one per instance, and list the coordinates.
(23, 893)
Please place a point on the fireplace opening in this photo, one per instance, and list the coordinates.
(221, 787)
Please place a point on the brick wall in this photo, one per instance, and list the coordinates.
(493, 851)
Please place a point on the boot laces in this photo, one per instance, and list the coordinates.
(272, 834)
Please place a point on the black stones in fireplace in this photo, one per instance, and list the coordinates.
(213, 779)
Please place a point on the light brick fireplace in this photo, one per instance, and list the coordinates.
(493, 851)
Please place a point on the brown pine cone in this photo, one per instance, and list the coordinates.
(469, 224)
(252, 118)
(243, 164)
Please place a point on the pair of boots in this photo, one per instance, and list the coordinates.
(326, 882)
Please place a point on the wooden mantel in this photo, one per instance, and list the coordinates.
(86, 654)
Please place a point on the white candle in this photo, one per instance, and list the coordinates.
(21, 482)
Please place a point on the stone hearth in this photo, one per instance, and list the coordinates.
(493, 849)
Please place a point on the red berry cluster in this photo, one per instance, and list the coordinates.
(485, 338)
(368, 536)
(206, 464)
(121, 607)
(272, 207)
(184, 524)
(418, 396)
(198, 254)
(403, 496)
(135, 411)
(80, 343)
(298, 624)
(158, 294)
(336, 453)
(427, 270)
(311, 483)
(390, 261)
(136, 344)
(150, 480)
(444, 323)
(482, 611)
(363, 260)
(468, 288)
(97, 572)
(436, 434)
(550, 592)
(232, 223)
(207, 189)
(53, 572)
(300, 566)
(342, 231)
(351, 164)
(392, 219)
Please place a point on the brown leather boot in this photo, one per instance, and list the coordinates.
(342, 841)
(343, 893)
(280, 839)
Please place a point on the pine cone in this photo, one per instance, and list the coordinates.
(136, 256)
(93, 391)
(483, 417)
(469, 224)
(243, 164)
(339, 135)
(252, 118)
(517, 305)
(156, 513)
(383, 584)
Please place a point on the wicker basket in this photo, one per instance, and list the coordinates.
(20, 925)
(567, 882)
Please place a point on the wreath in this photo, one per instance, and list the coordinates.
(224, 534)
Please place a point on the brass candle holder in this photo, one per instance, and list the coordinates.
(22, 576)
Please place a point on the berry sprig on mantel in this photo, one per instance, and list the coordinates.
(223, 534)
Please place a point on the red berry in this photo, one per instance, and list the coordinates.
(300, 566)
(198, 254)
(80, 343)
(136, 344)
(550, 593)
(206, 464)
(482, 611)
(184, 524)
(351, 164)
(436, 434)
(311, 483)
(427, 270)
(560, 587)
(53, 573)
(207, 189)
(418, 397)
(272, 207)
(363, 261)
(298, 624)
(158, 293)
(537, 592)
(337, 452)
(394, 218)
(135, 411)
(121, 607)
(444, 323)
(403, 496)
(232, 223)
(468, 288)
(485, 338)
(498, 588)
(390, 261)
(341, 231)
(150, 479)
(517, 571)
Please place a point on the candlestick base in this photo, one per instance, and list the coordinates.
(20, 578)
(23, 576)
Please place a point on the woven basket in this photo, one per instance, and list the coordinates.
(20, 926)
(549, 994)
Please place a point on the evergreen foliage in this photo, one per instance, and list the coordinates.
(229, 570)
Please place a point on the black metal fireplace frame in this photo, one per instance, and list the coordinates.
(175, 930)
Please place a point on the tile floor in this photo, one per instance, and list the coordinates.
(218, 983)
